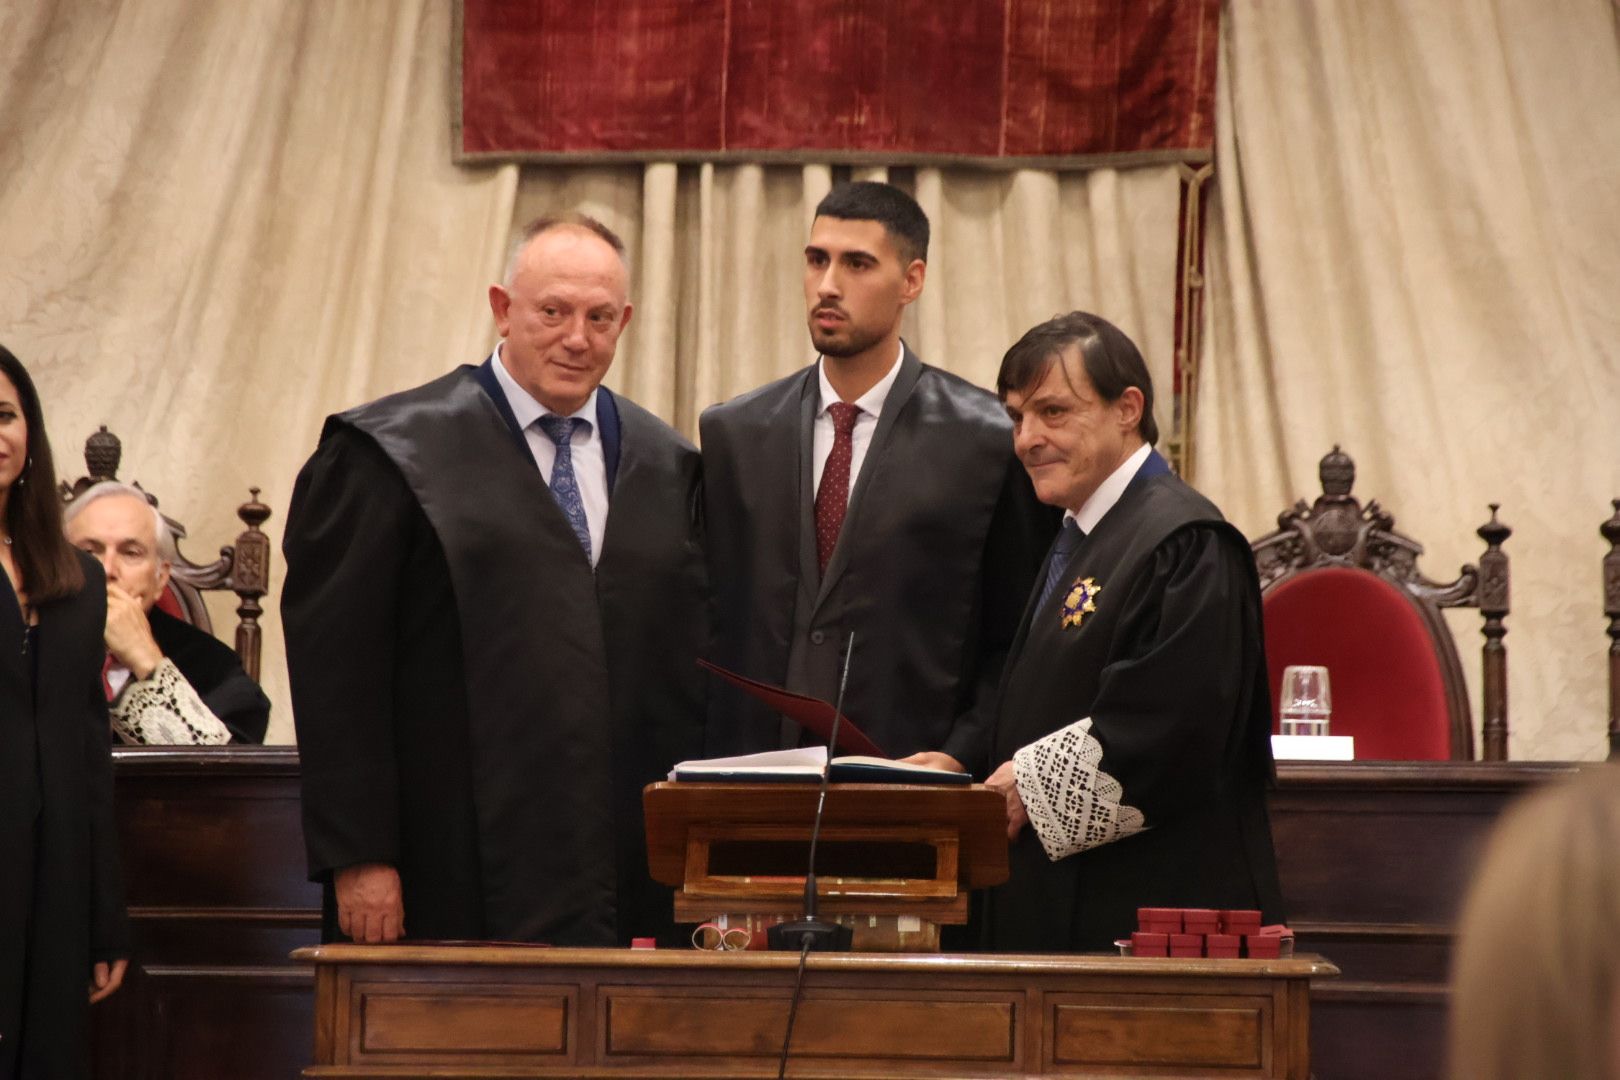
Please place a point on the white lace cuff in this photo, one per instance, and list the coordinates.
(1072, 804)
(163, 710)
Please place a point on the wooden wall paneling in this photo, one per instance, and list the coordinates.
(213, 859)
(1374, 859)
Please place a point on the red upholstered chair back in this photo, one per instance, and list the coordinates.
(243, 568)
(169, 603)
(1388, 674)
(1341, 588)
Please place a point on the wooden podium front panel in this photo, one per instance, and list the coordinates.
(445, 1019)
(1136, 1032)
(448, 1015)
(465, 1011)
(943, 1027)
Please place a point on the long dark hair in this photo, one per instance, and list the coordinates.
(47, 563)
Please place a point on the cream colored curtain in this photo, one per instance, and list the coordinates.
(221, 222)
(1414, 251)
(717, 266)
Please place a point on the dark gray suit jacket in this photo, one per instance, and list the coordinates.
(939, 549)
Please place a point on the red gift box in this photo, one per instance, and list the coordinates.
(1187, 945)
(1150, 944)
(1155, 920)
(1262, 946)
(1240, 922)
(1200, 920)
(1222, 946)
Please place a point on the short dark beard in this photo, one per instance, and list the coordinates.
(857, 343)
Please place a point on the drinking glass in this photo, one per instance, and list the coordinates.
(1306, 701)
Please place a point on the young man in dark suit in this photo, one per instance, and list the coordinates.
(495, 596)
(1133, 734)
(867, 492)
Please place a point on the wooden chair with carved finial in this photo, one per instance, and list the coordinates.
(242, 567)
(1341, 588)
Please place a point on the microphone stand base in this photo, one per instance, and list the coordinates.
(822, 936)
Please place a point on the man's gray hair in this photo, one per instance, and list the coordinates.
(166, 550)
(545, 223)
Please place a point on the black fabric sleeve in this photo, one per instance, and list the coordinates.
(345, 555)
(1167, 712)
(109, 919)
(1020, 532)
(241, 705)
(215, 671)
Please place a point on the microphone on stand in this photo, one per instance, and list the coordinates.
(810, 932)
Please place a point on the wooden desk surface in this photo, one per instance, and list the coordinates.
(536, 1012)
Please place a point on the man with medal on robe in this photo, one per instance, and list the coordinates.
(1132, 737)
(495, 597)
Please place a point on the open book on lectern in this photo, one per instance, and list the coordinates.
(863, 761)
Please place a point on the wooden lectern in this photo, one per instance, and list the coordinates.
(894, 861)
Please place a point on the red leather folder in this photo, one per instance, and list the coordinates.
(810, 713)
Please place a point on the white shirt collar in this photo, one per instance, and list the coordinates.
(871, 402)
(1108, 492)
(525, 408)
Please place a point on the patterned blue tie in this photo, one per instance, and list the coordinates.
(1068, 538)
(560, 429)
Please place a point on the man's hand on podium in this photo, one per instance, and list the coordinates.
(1004, 781)
(371, 908)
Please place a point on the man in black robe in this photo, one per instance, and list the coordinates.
(495, 593)
(1133, 732)
(167, 682)
(871, 493)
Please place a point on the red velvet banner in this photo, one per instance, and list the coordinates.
(1000, 81)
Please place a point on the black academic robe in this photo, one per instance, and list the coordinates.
(61, 896)
(939, 548)
(215, 671)
(473, 705)
(1170, 668)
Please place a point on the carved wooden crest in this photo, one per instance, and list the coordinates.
(1337, 530)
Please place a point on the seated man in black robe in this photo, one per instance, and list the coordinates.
(168, 683)
(495, 596)
(1133, 732)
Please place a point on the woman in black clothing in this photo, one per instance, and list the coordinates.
(63, 930)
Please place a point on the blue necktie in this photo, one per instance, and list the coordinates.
(560, 429)
(1068, 539)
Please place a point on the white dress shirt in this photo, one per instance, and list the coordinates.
(1108, 492)
(871, 406)
(585, 449)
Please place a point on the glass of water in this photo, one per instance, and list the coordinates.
(1306, 701)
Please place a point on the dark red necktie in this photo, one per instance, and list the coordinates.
(832, 497)
(106, 669)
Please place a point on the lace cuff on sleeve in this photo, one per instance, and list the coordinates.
(164, 710)
(1072, 804)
